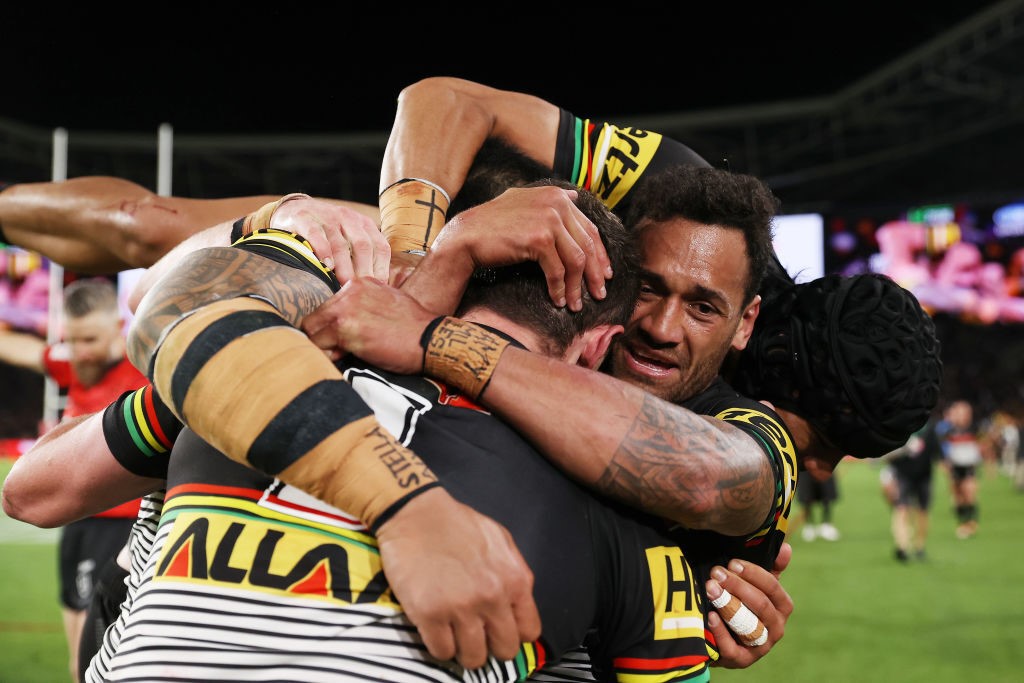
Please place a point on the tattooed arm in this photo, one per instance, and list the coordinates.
(474, 596)
(653, 455)
(217, 273)
(614, 437)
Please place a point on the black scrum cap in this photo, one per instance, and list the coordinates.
(856, 356)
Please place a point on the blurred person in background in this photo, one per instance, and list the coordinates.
(91, 367)
(817, 493)
(912, 465)
(961, 451)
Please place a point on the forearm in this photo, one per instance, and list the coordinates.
(22, 350)
(132, 224)
(68, 474)
(650, 454)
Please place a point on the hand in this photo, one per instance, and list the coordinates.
(539, 224)
(763, 594)
(380, 324)
(460, 579)
(345, 240)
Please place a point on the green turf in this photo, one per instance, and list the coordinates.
(860, 616)
(32, 647)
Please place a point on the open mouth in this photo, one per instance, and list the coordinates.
(646, 363)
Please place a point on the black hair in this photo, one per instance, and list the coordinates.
(519, 292)
(713, 197)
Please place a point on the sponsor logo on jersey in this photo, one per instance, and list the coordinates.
(621, 156)
(238, 549)
(678, 610)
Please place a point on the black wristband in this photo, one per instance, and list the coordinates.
(236, 230)
(390, 511)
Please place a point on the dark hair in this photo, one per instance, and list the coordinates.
(519, 292)
(497, 166)
(86, 296)
(855, 356)
(714, 197)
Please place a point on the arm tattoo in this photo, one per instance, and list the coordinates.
(686, 467)
(219, 273)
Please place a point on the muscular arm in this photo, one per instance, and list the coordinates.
(68, 474)
(441, 123)
(623, 442)
(102, 224)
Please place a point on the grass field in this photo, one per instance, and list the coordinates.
(860, 615)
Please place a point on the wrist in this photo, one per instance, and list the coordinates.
(412, 212)
(262, 217)
(461, 354)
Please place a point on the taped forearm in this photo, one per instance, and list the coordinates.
(258, 390)
(412, 213)
(461, 354)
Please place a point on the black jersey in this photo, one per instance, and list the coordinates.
(264, 576)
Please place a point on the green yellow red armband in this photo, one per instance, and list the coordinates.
(140, 430)
(412, 212)
(461, 354)
(258, 390)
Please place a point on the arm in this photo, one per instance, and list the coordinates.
(343, 234)
(441, 122)
(68, 474)
(649, 453)
(239, 405)
(100, 224)
(22, 350)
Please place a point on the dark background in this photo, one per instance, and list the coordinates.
(205, 70)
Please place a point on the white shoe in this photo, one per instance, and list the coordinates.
(809, 533)
(828, 532)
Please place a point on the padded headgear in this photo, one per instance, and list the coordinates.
(856, 356)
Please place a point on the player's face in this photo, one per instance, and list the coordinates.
(95, 341)
(690, 311)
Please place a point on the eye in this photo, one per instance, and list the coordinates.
(704, 309)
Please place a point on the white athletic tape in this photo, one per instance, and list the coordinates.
(740, 619)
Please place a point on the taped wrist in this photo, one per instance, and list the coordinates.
(461, 354)
(261, 217)
(259, 391)
(412, 212)
(140, 430)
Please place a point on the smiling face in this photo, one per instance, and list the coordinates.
(690, 311)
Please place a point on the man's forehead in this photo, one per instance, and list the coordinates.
(715, 257)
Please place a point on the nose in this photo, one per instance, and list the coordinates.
(662, 323)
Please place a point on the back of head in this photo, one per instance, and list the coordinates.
(855, 356)
(90, 295)
(712, 196)
(520, 293)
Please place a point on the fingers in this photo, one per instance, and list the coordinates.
(346, 241)
(583, 255)
(740, 619)
(762, 598)
(782, 560)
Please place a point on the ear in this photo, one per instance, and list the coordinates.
(592, 346)
(746, 326)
